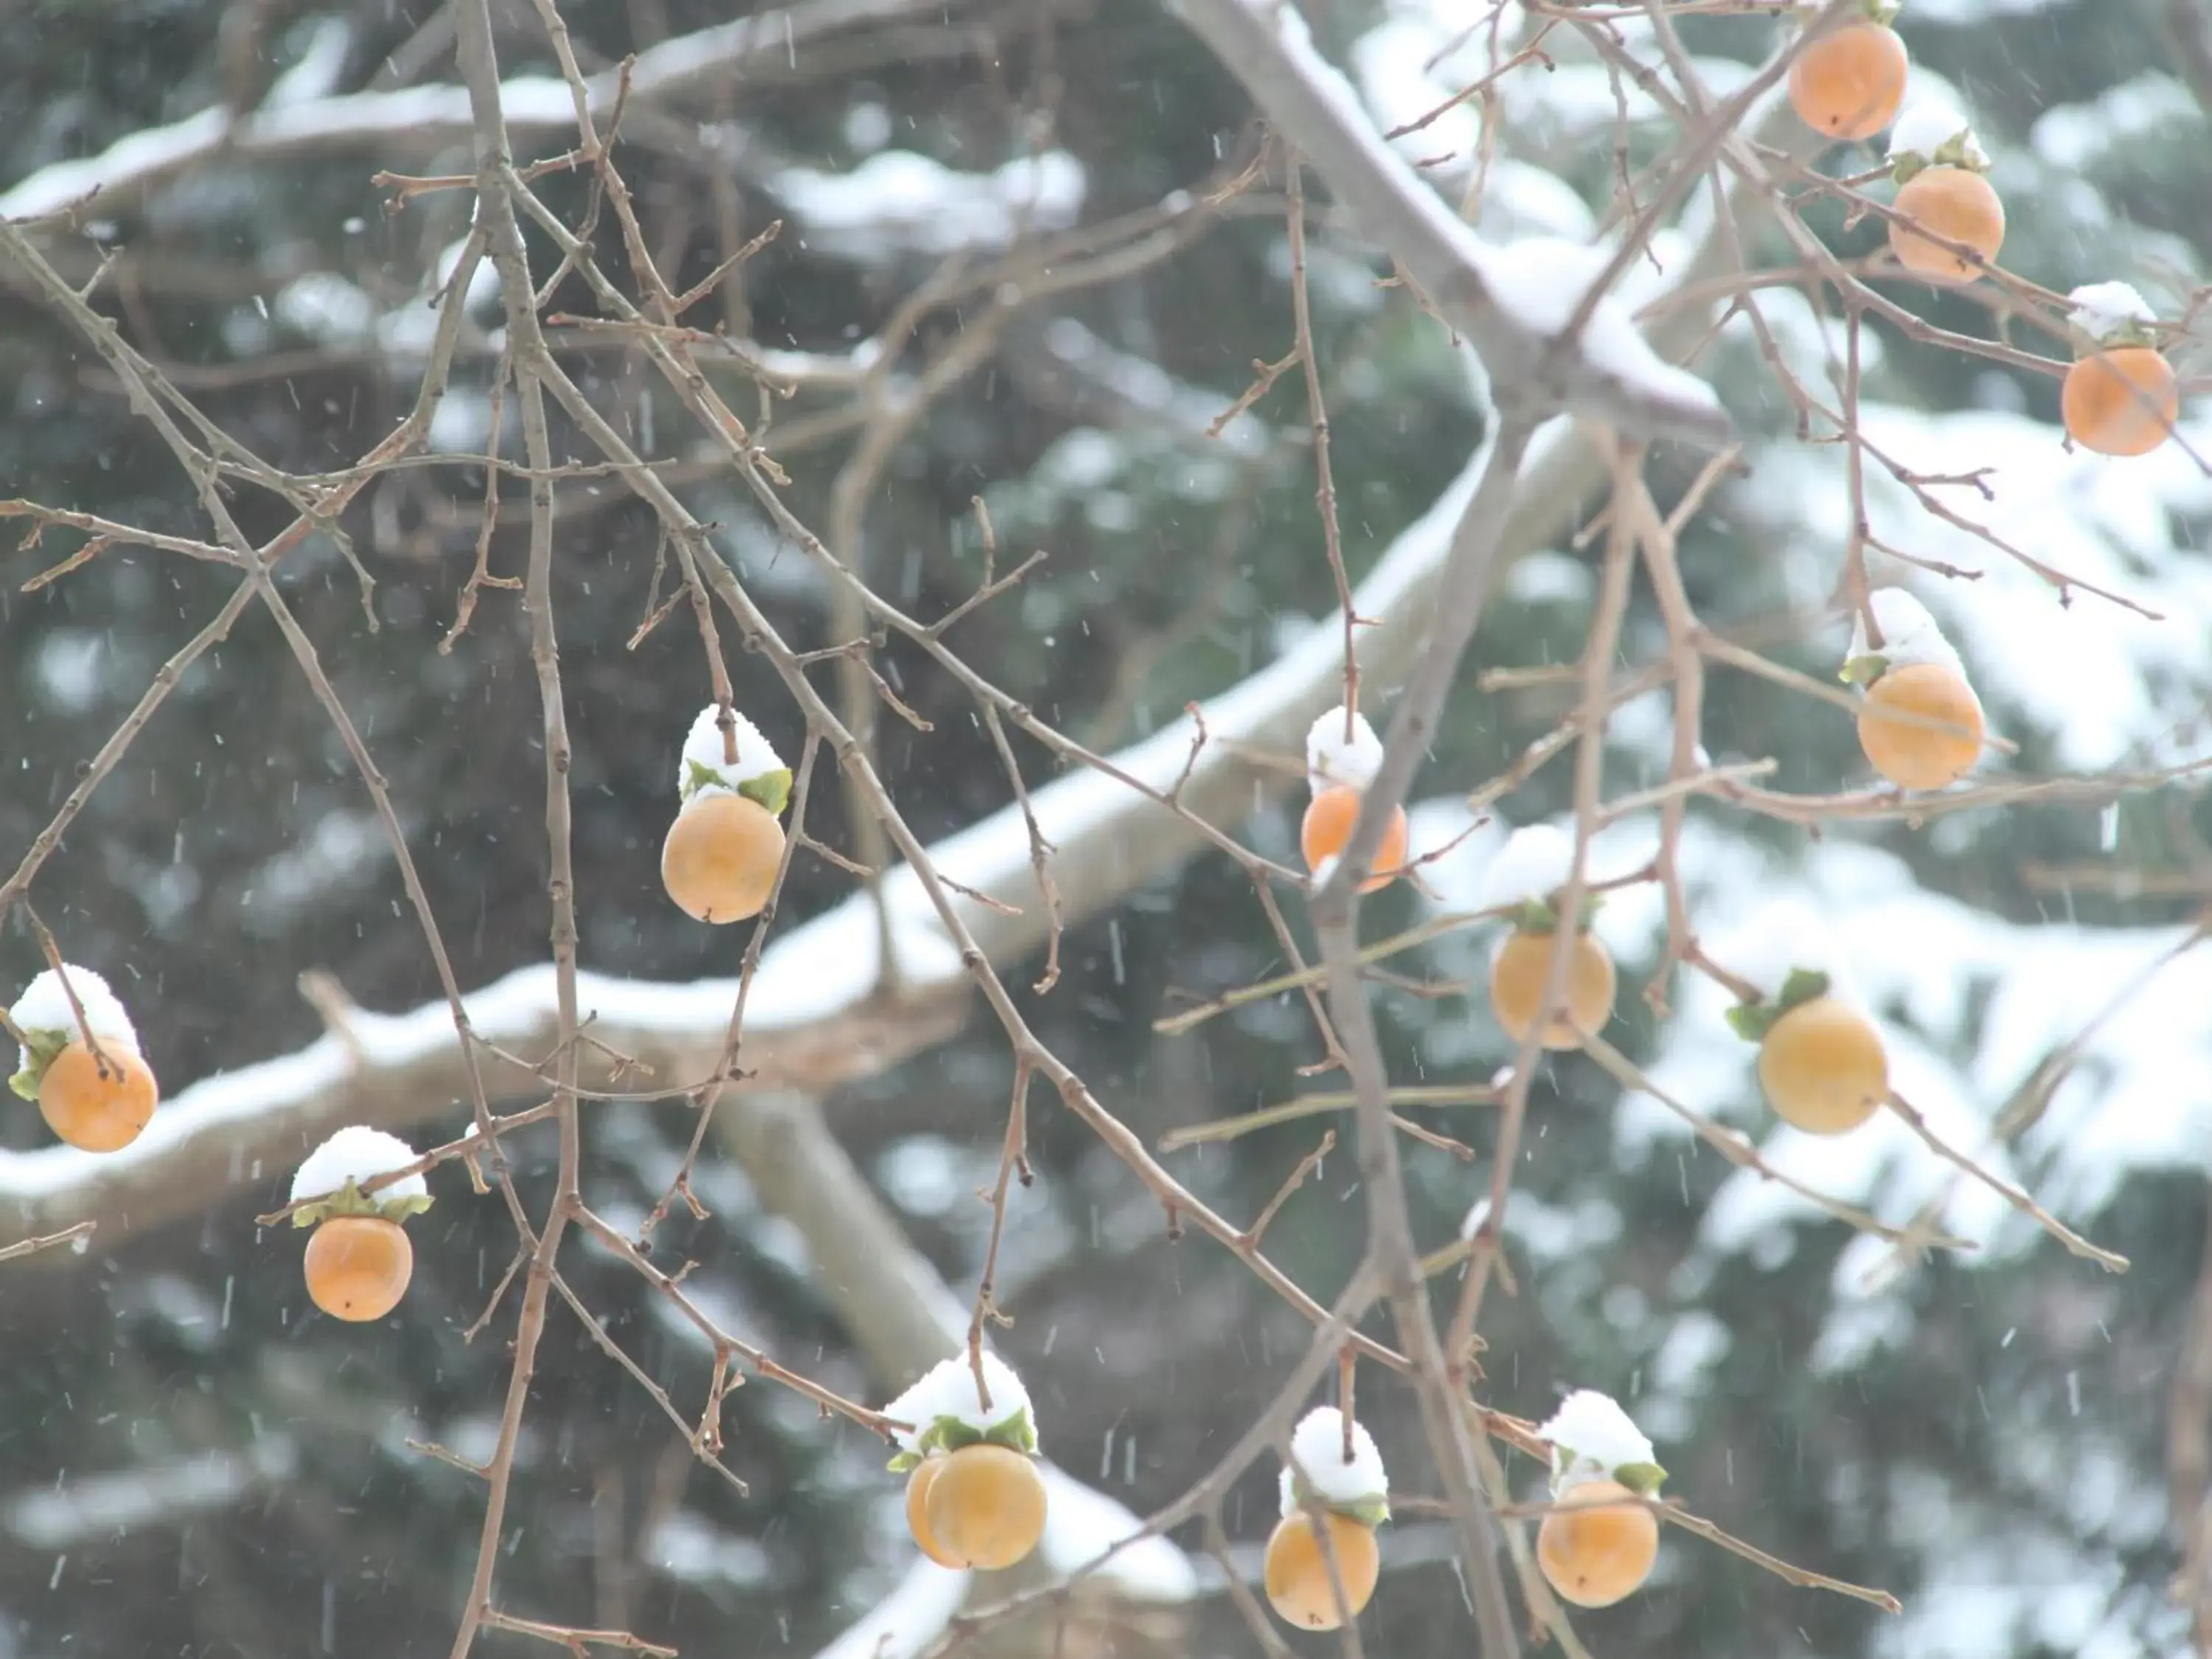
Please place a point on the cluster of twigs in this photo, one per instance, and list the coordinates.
(888, 388)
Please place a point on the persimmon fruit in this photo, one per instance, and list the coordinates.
(1956, 203)
(1912, 755)
(1849, 84)
(719, 860)
(918, 1485)
(2121, 401)
(1296, 1574)
(984, 1507)
(98, 1103)
(1517, 976)
(1823, 1067)
(1327, 831)
(358, 1267)
(1598, 1555)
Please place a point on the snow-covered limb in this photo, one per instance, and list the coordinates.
(1506, 305)
(810, 1023)
(1358, 1485)
(533, 104)
(898, 202)
(908, 1621)
(804, 1026)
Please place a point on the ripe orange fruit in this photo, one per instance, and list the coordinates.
(2121, 401)
(1516, 987)
(1912, 756)
(1823, 1067)
(1849, 84)
(358, 1267)
(984, 1507)
(1326, 832)
(1297, 1576)
(98, 1103)
(1597, 1556)
(1956, 203)
(719, 860)
(918, 1485)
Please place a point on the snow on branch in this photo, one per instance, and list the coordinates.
(809, 1019)
(1510, 309)
(418, 115)
(812, 1020)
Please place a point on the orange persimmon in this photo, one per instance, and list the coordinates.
(918, 1485)
(984, 1508)
(1955, 203)
(98, 1103)
(1909, 753)
(719, 860)
(1327, 831)
(1517, 976)
(1823, 1067)
(1597, 1555)
(1849, 84)
(2121, 401)
(358, 1267)
(1297, 1576)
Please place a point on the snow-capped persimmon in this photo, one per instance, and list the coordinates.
(1823, 1066)
(984, 1508)
(1597, 1555)
(1297, 1575)
(918, 1485)
(1952, 202)
(1517, 977)
(98, 1103)
(1327, 831)
(2121, 401)
(358, 1267)
(719, 860)
(1939, 736)
(1849, 84)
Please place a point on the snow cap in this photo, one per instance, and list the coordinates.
(1332, 758)
(1477, 1218)
(2109, 311)
(1788, 937)
(44, 1015)
(1534, 863)
(329, 1180)
(43, 1009)
(758, 773)
(1360, 1488)
(1593, 1439)
(1909, 634)
(947, 1412)
(1933, 130)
